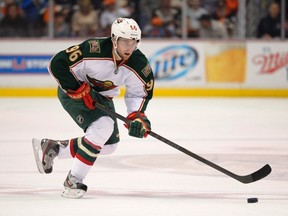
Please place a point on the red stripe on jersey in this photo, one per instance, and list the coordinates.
(141, 105)
(72, 150)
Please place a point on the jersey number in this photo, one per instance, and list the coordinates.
(149, 85)
(74, 53)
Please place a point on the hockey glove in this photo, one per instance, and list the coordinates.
(83, 92)
(139, 125)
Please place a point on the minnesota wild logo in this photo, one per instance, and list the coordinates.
(99, 85)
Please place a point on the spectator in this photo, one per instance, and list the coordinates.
(145, 12)
(34, 10)
(209, 5)
(170, 17)
(210, 28)
(61, 28)
(194, 12)
(85, 20)
(2, 9)
(225, 9)
(225, 12)
(67, 8)
(97, 4)
(156, 28)
(270, 25)
(110, 14)
(231, 7)
(13, 24)
(3, 5)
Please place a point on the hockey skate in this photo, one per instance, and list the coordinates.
(73, 187)
(45, 151)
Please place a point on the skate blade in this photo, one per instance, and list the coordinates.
(72, 193)
(38, 154)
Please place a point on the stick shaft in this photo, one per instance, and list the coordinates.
(259, 174)
(193, 155)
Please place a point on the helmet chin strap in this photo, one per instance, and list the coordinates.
(116, 53)
(115, 49)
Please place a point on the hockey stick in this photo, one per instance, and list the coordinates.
(255, 176)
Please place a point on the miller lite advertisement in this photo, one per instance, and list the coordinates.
(176, 63)
(267, 65)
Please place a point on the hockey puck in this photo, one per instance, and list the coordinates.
(252, 200)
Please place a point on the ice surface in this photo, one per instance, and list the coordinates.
(147, 177)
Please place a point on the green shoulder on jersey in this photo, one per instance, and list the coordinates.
(139, 63)
(63, 60)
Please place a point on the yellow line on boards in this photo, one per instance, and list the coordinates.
(222, 92)
(28, 92)
(158, 92)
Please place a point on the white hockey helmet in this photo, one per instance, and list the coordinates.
(125, 28)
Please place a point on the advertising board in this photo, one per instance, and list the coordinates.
(180, 67)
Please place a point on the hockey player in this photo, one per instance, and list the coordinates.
(93, 72)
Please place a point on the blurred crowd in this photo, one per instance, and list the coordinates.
(163, 18)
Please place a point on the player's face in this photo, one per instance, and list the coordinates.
(125, 47)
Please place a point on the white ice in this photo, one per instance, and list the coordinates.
(147, 177)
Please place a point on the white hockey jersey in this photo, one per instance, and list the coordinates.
(92, 62)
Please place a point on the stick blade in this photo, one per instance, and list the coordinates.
(262, 173)
(259, 174)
